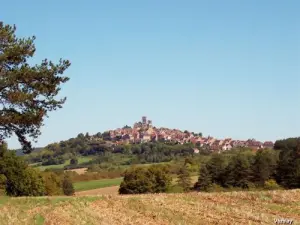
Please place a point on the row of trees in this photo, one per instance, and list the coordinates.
(246, 170)
(243, 170)
(19, 179)
(237, 169)
(58, 153)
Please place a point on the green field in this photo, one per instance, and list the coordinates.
(82, 159)
(94, 184)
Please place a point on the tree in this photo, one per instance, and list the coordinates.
(53, 184)
(20, 179)
(27, 92)
(204, 181)
(138, 180)
(216, 167)
(288, 170)
(264, 166)
(184, 179)
(80, 136)
(286, 144)
(74, 161)
(238, 172)
(3, 180)
(106, 136)
(68, 188)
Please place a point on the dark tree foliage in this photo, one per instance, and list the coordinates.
(204, 181)
(238, 172)
(139, 180)
(106, 136)
(27, 92)
(53, 161)
(20, 179)
(184, 179)
(216, 167)
(264, 166)
(74, 161)
(288, 171)
(287, 144)
(157, 152)
(268, 169)
(53, 184)
(67, 185)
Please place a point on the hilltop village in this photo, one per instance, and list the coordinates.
(144, 131)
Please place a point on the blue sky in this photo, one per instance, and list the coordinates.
(223, 68)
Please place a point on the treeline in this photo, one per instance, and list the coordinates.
(59, 153)
(19, 179)
(245, 170)
(235, 170)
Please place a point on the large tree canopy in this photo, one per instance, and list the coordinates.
(27, 92)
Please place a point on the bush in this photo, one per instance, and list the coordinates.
(68, 188)
(252, 186)
(53, 183)
(74, 161)
(138, 180)
(271, 185)
(28, 182)
(215, 188)
(54, 161)
(175, 189)
(2, 181)
(20, 179)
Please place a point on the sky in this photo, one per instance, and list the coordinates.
(224, 68)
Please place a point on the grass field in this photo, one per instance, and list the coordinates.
(193, 208)
(81, 159)
(94, 184)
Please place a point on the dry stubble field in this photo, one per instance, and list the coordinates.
(192, 208)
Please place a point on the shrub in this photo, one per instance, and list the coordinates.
(175, 189)
(68, 188)
(215, 188)
(28, 182)
(53, 183)
(20, 179)
(74, 161)
(54, 161)
(3, 180)
(271, 185)
(252, 186)
(138, 180)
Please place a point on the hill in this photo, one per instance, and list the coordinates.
(192, 208)
(19, 152)
(122, 140)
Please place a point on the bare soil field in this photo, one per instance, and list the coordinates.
(99, 191)
(79, 171)
(155, 209)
